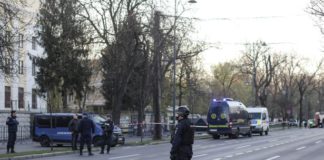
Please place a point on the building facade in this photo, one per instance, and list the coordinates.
(18, 90)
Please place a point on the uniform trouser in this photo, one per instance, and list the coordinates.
(184, 153)
(74, 142)
(107, 141)
(85, 139)
(11, 139)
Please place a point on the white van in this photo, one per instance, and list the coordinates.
(259, 120)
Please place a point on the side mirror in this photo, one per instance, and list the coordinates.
(263, 118)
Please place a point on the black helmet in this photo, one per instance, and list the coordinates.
(183, 111)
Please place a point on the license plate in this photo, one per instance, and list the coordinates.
(120, 139)
(213, 130)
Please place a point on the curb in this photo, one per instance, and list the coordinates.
(44, 155)
(37, 155)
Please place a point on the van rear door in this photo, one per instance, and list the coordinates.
(218, 115)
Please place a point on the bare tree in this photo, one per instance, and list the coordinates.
(226, 74)
(111, 20)
(285, 85)
(260, 65)
(305, 81)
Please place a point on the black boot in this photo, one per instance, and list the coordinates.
(8, 148)
(108, 149)
(102, 150)
(13, 150)
(89, 151)
(81, 151)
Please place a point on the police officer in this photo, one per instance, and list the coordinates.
(86, 129)
(73, 127)
(12, 131)
(107, 128)
(183, 138)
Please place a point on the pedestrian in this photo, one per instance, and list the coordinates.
(107, 128)
(12, 131)
(183, 138)
(86, 128)
(73, 128)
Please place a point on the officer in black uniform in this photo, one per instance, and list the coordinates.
(12, 131)
(107, 128)
(183, 138)
(86, 129)
(73, 128)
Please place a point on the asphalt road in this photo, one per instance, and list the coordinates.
(290, 144)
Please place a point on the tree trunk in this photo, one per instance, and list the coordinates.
(300, 110)
(116, 108)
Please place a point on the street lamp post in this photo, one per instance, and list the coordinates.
(174, 58)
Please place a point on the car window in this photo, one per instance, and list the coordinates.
(255, 115)
(98, 119)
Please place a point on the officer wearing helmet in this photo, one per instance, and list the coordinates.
(183, 138)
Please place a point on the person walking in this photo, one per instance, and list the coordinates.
(73, 128)
(107, 128)
(183, 138)
(86, 128)
(12, 124)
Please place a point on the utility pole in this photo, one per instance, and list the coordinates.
(158, 47)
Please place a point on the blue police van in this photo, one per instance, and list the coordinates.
(228, 117)
(57, 131)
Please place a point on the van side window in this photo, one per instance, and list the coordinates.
(264, 116)
(44, 122)
(63, 121)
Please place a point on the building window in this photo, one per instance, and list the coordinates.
(34, 43)
(21, 97)
(21, 40)
(7, 68)
(34, 99)
(7, 97)
(8, 36)
(21, 67)
(34, 67)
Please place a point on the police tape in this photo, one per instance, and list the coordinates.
(168, 124)
(195, 126)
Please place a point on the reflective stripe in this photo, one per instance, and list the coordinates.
(218, 126)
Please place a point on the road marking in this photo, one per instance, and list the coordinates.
(217, 159)
(318, 141)
(243, 146)
(132, 155)
(249, 151)
(272, 158)
(229, 156)
(274, 140)
(239, 153)
(200, 155)
(300, 148)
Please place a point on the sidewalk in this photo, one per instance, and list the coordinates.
(29, 145)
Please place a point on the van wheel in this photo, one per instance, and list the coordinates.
(44, 141)
(266, 132)
(216, 136)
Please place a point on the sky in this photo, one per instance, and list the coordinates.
(284, 25)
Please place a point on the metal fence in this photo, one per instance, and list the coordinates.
(23, 133)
